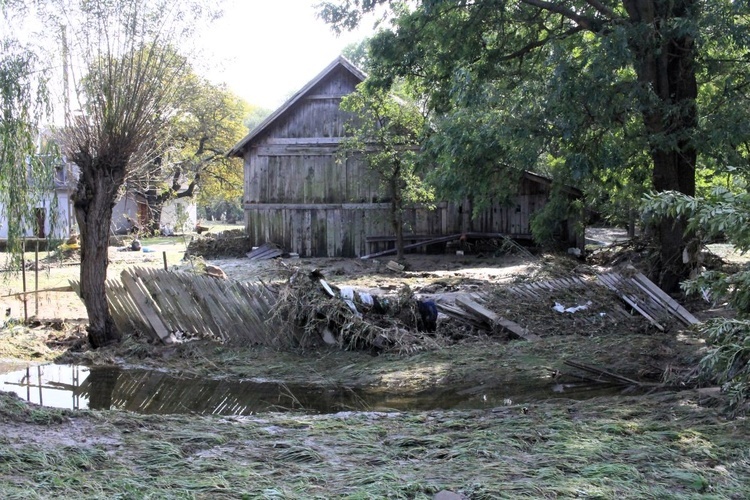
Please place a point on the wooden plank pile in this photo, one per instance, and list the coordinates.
(646, 298)
(265, 252)
(514, 330)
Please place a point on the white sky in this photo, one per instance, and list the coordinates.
(265, 50)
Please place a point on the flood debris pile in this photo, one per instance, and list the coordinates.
(228, 244)
(304, 310)
(314, 312)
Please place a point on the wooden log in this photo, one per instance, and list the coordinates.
(514, 329)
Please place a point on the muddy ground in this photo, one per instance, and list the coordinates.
(668, 441)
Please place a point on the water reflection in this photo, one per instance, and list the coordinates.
(143, 391)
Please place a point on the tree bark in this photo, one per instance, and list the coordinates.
(397, 211)
(93, 202)
(665, 65)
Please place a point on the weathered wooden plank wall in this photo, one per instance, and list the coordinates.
(341, 229)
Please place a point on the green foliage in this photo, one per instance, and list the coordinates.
(547, 223)
(728, 361)
(727, 215)
(358, 54)
(26, 162)
(386, 132)
(255, 117)
(722, 214)
(208, 123)
(616, 97)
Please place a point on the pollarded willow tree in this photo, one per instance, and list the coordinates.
(129, 91)
(578, 85)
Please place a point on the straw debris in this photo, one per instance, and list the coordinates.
(315, 313)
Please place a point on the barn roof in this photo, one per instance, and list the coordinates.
(340, 61)
(543, 179)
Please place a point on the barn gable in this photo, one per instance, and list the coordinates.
(337, 80)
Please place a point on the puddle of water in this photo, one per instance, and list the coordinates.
(153, 392)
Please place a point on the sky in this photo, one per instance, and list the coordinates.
(266, 50)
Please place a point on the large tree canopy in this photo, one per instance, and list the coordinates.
(206, 123)
(579, 87)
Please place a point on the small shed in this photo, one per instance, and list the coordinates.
(299, 194)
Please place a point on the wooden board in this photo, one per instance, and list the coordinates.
(147, 307)
(514, 329)
(676, 309)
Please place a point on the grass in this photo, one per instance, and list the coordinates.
(659, 446)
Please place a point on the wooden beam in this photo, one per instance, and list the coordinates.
(303, 141)
(317, 206)
(391, 251)
(514, 329)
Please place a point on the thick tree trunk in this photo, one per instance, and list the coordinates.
(665, 64)
(93, 201)
(397, 217)
(397, 224)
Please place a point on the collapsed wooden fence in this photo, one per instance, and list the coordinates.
(163, 304)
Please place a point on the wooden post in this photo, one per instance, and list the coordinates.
(23, 277)
(36, 280)
(164, 255)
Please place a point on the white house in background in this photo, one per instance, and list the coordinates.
(66, 178)
(132, 209)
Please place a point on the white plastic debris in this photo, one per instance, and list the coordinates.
(562, 309)
(366, 299)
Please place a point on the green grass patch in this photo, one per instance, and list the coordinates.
(562, 448)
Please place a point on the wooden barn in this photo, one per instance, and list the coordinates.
(300, 195)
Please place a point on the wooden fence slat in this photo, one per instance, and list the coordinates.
(514, 329)
(147, 306)
(671, 305)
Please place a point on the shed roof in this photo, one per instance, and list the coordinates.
(239, 148)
